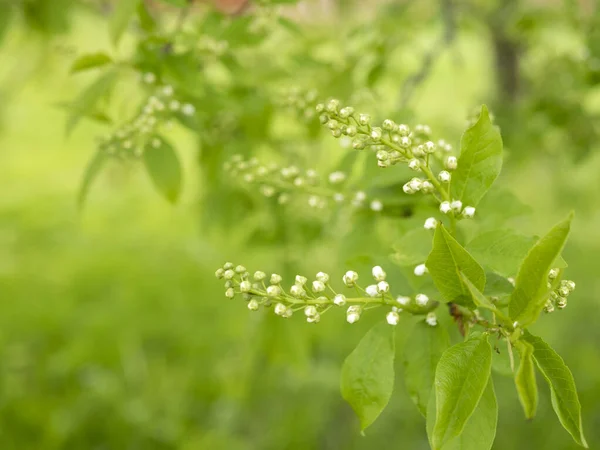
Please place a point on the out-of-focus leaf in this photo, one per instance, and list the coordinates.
(147, 22)
(90, 61)
(164, 168)
(412, 248)
(368, 374)
(91, 172)
(124, 11)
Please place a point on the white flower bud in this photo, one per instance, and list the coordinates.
(405, 142)
(273, 291)
(403, 130)
(403, 300)
(378, 273)
(382, 155)
(245, 286)
(388, 125)
(456, 205)
(570, 285)
(364, 119)
(421, 299)
(228, 266)
(350, 278)
(310, 311)
(429, 147)
(240, 269)
(376, 133)
(188, 109)
(253, 305)
(360, 196)
(414, 164)
(338, 197)
(549, 306)
(333, 124)
(353, 313)
(275, 279)
(337, 177)
(372, 290)
(431, 319)
(564, 291)
(451, 163)
(376, 205)
(383, 287)
(445, 207)
(230, 293)
(320, 107)
(444, 176)
(297, 291)
(300, 280)
(229, 274)
(219, 273)
(392, 318)
(553, 273)
(280, 309)
(351, 131)
(430, 223)
(314, 319)
(468, 212)
(511, 280)
(322, 277)
(318, 286)
(339, 300)
(333, 105)
(288, 313)
(407, 189)
(420, 270)
(561, 303)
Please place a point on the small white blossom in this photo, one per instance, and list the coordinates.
(337, 177)
(350, 278)
(570, 285)
(253, 305)
(376, 205)
(403, 130)
(364, 119)
(372, 290)
(273, 291)
(360, 196)
(174, 105)
(310, 311)
(388, 125)
(240, 269)
(288, 313)
(245, 286)
(444, 176)
(561, 303)
(228, 265)
(468, 212)
(300, 280)
(297, 291)
(553, 274)
(445, 207)
(338, 197)
(229, 274)
(167, 90)
(456, 205)
(378, 273)
(149, 78)
(376, 133)
(564, 291)
(318, 286)
(280, 309)
(431, 319)
(403, 300)
(229, 293)
(429, 147)
(392, 318)
(383, 287)
(427, 187)
(298, 182)
(414, 164)
(451, 163)
(407, 189)
(421, 299)
(275, 279)
(188, 109)
(219, 273)
(339, 300)
(353, 313)
(415, 184)
(420, 270)
(430, 223)
(405, 142)
(314, 319)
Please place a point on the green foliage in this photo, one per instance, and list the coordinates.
(562, 387)
(525, 379)
(92, 170)
(446, 262)
(368, 374)
(121, 16)
(480, 160)
(90, 61)
(530, 294)
(461, 377)
(420, 357)
(163, 167)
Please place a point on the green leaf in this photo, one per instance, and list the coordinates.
(164, 168)
(460, 379)
(480, 300)
(368, 374)
(178, 3)
(91, 172)
(85, 103)
(562, 387)
(501, 250)
(480, 161)
(90, 61)
(525, 379)
(147, 21)
(480, 431)
(421, 355)
(529, 296)
(412, 248)
(497, 286)
(124, 11)
(445, 262)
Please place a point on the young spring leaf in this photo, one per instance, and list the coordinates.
(412, 248)
(460, 379)
(501, 250)
(124, 10)
(91, 172)
(164, 168)
(529, 296)
(368, 374)
(86, 102)
(480, 300)
(562, 387)
(480, 431)
(421, 355)
(90, 61)
(525, 379)
(445, 262)
(480, 161)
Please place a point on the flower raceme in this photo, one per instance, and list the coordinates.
(318, 296)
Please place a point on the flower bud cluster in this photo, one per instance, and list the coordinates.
(315, 297)
(302, 101)
(558, 296)
(456, 208)
(282, 182)
(158, 110)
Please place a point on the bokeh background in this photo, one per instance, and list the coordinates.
(114, 332)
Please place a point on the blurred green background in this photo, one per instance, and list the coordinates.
(114, 333)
